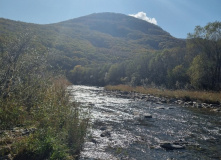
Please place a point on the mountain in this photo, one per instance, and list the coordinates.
(94, 42)
(123, 27)
(111, 34)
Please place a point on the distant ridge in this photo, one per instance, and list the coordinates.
(107, 36)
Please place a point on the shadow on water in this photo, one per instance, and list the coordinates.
(135, 129)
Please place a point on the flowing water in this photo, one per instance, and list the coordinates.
(119, 129)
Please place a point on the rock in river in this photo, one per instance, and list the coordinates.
(143, 117)
(106, 134)
(147, 115)
(171, 146)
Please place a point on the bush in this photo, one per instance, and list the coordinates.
(59, 129)
(33, 97)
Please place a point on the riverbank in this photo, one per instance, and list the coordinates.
(199, 99)
(53, 127)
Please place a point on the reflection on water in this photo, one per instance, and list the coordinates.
(121, 131)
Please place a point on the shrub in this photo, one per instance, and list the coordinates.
(33, 97)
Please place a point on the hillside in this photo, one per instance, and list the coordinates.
(100, 37)
(89, 49)
(124, 28)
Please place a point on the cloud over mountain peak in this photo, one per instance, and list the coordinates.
(143, 16)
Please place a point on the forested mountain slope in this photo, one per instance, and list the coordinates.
(99, 37)
(112, 48)
(133, 30)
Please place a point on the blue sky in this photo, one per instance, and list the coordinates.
(178, 17)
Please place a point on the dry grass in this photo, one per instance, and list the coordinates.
(203, 96)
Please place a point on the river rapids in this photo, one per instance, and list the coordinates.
(123, 128)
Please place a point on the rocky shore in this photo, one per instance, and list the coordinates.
(166, 100)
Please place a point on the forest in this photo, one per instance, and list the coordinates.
(193, 66)
(108, 48)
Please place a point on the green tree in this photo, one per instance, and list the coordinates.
(200, 73)
(206, 41)
(77, 73)
(177, 76)
(115, 73)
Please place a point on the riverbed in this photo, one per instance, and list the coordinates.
(134, 129)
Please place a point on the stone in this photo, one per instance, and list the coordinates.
(147, 115)
(171, 146)
(160, 108)
(199, 105)
(172, 100)
(190, 103)
(180, 102)
(194, 104)
(216, 110)
(159, 103)
(106, 134)
(213, 105)
(163, 100)
(103, 128)
(94, 141)
(205, 105)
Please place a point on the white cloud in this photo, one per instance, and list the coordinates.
(143, 16)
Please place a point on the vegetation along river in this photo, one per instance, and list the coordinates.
(138, 130)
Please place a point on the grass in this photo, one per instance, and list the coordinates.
(59, 125)
(202, 96)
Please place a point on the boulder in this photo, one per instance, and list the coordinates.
(171, 146)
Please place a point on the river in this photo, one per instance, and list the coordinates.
(138, 130)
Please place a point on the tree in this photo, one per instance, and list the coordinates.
(200, 73)
(206, 41)
(23, 72)
(115, 73)
(177, 76)
(77, 73)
